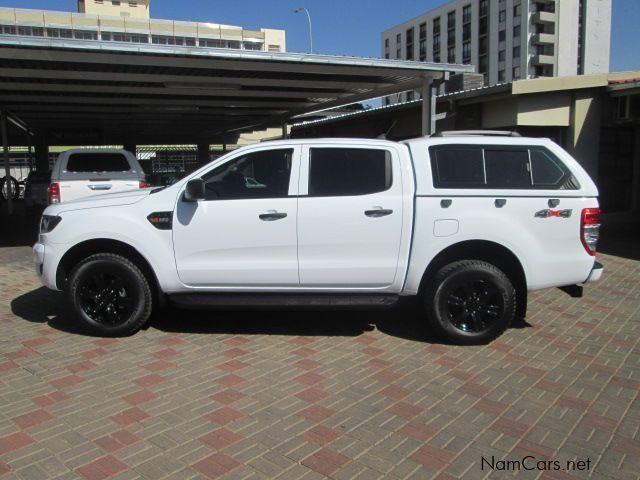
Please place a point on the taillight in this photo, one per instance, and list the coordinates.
(143, 184)
(590, 229)
(54, 193)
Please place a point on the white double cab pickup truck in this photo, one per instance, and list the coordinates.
(466, 222)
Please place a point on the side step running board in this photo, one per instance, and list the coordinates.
(282, 300)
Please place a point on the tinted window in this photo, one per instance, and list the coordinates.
(255, 175)
(548, 172)
(348, 171)
(507, 168)
(97, 162)
(484, 166)
(457, 167)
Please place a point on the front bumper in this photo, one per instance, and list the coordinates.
(46, 258)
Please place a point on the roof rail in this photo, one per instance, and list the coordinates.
(479, 133)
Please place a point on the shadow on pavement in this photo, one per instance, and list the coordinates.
(403, 321)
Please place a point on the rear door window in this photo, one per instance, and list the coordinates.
(97, 162)
(348, 171)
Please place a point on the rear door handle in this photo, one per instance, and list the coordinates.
(378, 212)
(271, 216)
(103, 186)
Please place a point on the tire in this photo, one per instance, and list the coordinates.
(15, 188)
(470, 302)
(110, 295)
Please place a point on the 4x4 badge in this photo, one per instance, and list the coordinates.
(546, 213)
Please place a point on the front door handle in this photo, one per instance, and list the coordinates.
(378, 212)
(271, 216)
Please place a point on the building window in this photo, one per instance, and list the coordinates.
(115, 3)
(482, 46)
(466, 32)
(398, 53)
(466, 14)
(386, 47)
(59, 33)
(85, 35)
(451, 20)
(398, 39)
(502, 16)
(133, 4)
(409, 45)
(466, 52)
(451, 37)
(516, 73)
(423, 50)
(484, 7)
(30, 31)
(502, 55)
(482, 26)
(502, 35)
(436, 25)
(451, 55)
(423, 31)
(501, 76)
(517, 10)
(516, 51)
(274, 48)
(252, 46)
(516, 31)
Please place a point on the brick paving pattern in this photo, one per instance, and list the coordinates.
(318, 394)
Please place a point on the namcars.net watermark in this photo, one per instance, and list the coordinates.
(531, 463)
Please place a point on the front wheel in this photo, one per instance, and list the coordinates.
(470, 302)
(110, 295)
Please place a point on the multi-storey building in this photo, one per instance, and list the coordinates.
(129, 21)
(508, 39)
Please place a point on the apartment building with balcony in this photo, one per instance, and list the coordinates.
(129, 21)
(507, 39)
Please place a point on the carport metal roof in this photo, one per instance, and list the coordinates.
(83, 92)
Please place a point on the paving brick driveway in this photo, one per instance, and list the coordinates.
(321, 394)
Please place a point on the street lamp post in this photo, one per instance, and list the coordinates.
(303, 9)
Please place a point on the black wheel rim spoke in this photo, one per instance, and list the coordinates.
(474, 306)
(106, 298)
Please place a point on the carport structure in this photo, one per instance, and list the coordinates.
(76, 92)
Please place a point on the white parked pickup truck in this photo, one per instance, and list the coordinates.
(467, 222)
(83, 172)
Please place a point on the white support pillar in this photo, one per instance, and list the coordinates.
(428, 109)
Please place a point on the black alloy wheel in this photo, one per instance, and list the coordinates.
(106, 298)
(473, 306)
(110, 295)
(470, 302)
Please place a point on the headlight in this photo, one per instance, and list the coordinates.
(49, 222)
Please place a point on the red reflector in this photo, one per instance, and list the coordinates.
(54, 193)
(591, 216)
(143, 184)
(590, 229)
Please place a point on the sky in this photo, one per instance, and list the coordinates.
(343, 27)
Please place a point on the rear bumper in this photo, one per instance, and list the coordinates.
(596, 273)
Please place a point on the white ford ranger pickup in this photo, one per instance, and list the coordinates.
(466, 222)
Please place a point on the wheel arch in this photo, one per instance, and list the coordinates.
(86, 248)
(487, 251)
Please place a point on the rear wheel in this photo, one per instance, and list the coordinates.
(470, 302)
(110, 295)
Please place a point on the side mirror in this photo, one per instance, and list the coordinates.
(194, 190)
